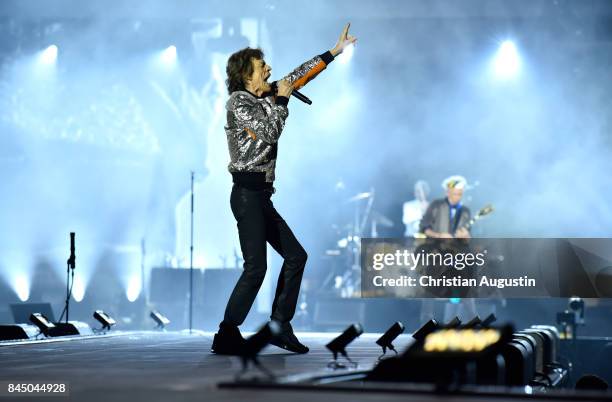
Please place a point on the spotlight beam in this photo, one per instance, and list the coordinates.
(49, 55)
(21, 286)
(169, 55)
(507, 61)
(347, 54)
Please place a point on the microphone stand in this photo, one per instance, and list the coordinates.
(71, 263)
(191, 262)
(67, 305)
(143, 256)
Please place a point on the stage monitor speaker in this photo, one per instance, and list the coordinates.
(218, 284)
(22, 311)
(531, 339)
(171, 285)
(552, 333)
(18, 332)
(337, 313)
(518, 358)
(71, 328)
(540, 349)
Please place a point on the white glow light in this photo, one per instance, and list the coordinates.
(21, 286)
(168, 55)
(133, 289)
(78, 289)
(507, 61)
(49, 55)
(347, 54)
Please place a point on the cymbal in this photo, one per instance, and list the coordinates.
(360, 196)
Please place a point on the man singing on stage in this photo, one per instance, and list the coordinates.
(256, 114)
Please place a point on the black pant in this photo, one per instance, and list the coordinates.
(258, 223)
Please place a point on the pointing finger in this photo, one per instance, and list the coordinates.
(345, 30)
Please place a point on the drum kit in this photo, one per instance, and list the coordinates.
(344, 278)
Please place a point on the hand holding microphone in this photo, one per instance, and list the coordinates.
(284, 88)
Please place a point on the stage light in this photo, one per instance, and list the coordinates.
(386, 340)
(339, 344)
(490, 319)
(161, 320)
(427, 328)
(473, 323)
(255, 344)
(106, 320)
(576, 304)
(44, 325)
(49, 55)
(454, 323)
(133, 288)
(168, 55)
(346, 55)
(461, 340)
(507, 62)
(22, 287)
(572, 318)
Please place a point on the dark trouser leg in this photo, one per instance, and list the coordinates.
(248, 209)
(280, 236)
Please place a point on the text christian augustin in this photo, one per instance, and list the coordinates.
(431, 261)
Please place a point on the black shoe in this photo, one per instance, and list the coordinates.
(228, 341)
(288, 341)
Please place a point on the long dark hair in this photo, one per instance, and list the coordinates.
(239, 67)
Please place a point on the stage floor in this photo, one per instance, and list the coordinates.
(163, 366)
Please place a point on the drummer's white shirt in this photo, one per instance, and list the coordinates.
(413, 213)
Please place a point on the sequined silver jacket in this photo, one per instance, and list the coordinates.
(254, 124)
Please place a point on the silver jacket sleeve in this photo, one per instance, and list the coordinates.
(305, 72)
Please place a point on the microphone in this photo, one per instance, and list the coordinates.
(295, 93)
(301, 97)
(72, 259)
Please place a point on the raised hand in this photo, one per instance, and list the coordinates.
(344, 40)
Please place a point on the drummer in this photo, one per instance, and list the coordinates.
(415, 209)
